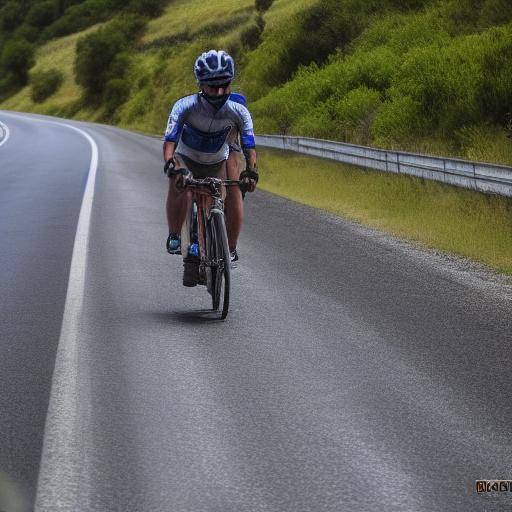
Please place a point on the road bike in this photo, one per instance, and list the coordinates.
(205, 225)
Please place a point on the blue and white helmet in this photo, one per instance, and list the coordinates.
(214, 68)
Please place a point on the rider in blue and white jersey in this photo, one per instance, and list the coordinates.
(201, 138)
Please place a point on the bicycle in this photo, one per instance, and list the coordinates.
(206, 226)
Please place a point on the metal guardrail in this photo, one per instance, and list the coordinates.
(483, 177)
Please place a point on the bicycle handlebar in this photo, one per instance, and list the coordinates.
(213, 185)
(206, 182)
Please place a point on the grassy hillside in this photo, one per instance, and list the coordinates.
(427, 75)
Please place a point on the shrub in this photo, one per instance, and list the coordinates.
(288, 103)
(96, 53)
(149, 8)
(318, 122)
(11, 15)
(354, 114)
(251, 36)
(493, 91)
(485, 143)
(116, 93)
(327, 25)
(263, 5)
(82, 15)
(45, 84)
(459, 16)
(16, 59)
(399, 120)
(374, 69)
(42, 14)
(495, 12)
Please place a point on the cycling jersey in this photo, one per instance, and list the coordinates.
(202, 132)
(238, 98)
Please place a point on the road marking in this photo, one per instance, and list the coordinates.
(6, 134)
(60, 460)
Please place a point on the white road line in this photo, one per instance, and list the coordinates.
(60, 460)
(6, 134)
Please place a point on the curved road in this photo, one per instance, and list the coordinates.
(354, 372)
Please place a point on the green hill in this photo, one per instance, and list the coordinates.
(427, 75)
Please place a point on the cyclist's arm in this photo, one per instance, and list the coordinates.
(247, 137)
(169, 149)
(173, 130)
(250, 157)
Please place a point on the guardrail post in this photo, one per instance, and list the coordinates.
(387, 170)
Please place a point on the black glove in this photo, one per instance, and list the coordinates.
(182, 176)
(248, 180)
(169, 167)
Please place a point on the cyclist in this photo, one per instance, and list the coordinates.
(200, 140)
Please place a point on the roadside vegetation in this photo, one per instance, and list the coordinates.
(467, 223)
(423, 75)
(431, 76)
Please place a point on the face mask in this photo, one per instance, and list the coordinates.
(216, 101)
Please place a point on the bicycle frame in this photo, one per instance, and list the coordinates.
(209, 195)
(214, 257)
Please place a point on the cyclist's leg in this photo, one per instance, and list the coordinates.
(234, 204)
(177, 205)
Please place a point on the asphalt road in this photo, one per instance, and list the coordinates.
(354, 372)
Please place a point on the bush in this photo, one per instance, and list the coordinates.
(263, 5)
(116, 93)
(96, 53)
(495, 12)
(149, 8)
(45, 84)
(493, 91)
(16, 59)
(11, 15)
(354, 114)
(82, 15)
(318, 122)
(251, 36)
(328, 25)
(399, 120)
(42, 14)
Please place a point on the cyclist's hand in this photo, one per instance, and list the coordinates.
(182, 177)
(170, 166)
(249, 179)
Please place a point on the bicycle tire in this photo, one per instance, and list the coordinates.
(221, 275)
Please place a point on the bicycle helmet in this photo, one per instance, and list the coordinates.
(214, 68)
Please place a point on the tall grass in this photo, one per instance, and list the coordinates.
(191, 16)
(439, 216)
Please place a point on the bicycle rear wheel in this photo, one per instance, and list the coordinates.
(221, 276)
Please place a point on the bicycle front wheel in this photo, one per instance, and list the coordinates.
(221, 277)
